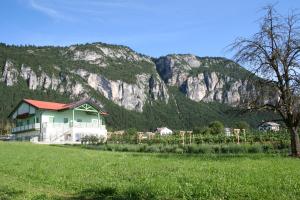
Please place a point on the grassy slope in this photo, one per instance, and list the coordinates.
(46, 172)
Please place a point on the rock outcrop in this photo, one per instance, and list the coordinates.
(198, 78)
(206, 85)
(130, 96)
(10, 74)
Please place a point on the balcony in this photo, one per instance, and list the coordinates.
(62, 127)
(82, 125)
(27, 127)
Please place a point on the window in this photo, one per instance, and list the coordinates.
(66, 120)
(37, 120)
(95, 121)
(27, 121)
(79, 120)
(51, 119)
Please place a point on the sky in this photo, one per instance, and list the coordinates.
(151, 27)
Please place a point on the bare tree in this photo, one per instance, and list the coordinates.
(274, 53)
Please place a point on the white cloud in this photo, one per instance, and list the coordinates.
(78, 10)
(48, 10)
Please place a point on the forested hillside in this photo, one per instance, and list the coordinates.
(178, 91)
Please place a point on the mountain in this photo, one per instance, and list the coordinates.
(178, 90)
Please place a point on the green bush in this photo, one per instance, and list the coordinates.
(242, 125)
(193, 148)
(178, 150)
(92, 139)
(152, 148)
(254, 148)
(204, 149)
(131, 131)
(216, 127)
(233, 149)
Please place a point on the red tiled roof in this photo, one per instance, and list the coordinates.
(55, 106)
(46, 105)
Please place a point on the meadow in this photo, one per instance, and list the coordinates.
(29, 171)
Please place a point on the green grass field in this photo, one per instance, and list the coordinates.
(29, 171)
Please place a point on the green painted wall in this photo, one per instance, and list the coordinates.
(78, 115)
(59, 116)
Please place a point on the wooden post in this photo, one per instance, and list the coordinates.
(190, 138)
(182, 136)
(73, 118)
(98, 120)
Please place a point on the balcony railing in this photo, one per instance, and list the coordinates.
(74, 125)
(27, 127)
(88, 125)
(62, 126)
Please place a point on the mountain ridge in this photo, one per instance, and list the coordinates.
(117, 76)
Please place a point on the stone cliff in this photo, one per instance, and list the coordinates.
(99, 67)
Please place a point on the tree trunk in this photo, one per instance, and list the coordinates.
(295, 143)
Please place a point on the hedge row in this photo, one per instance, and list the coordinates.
(195, 149)
(250, 137)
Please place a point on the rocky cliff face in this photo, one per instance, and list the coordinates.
(208, 84)
(86, 68)
(130, 96)
(79, 80)
(11, 75)
(101, 55)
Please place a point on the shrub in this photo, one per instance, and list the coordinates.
(216, 127)
(206, 131)
(178, 150)
(152, 148)
(254, 148)
(268, 148)
(142, 148)
(204, 149)
(191, 148)
(92, 139)
(131, 131)
(231, 148)
(236, 148)
(242, 125)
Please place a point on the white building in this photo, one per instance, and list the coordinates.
(164, 131)
(269, 126)
(51, 122)
(227, 131)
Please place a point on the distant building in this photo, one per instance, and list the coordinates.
(227, 131)
(269, 126)
(164, 131)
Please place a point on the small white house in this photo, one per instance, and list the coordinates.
(227, 131)
(269, 126)
(164, 131)
(52, 122)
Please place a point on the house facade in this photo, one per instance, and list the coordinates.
(164, 131)
(269, 126)
(52, 122)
